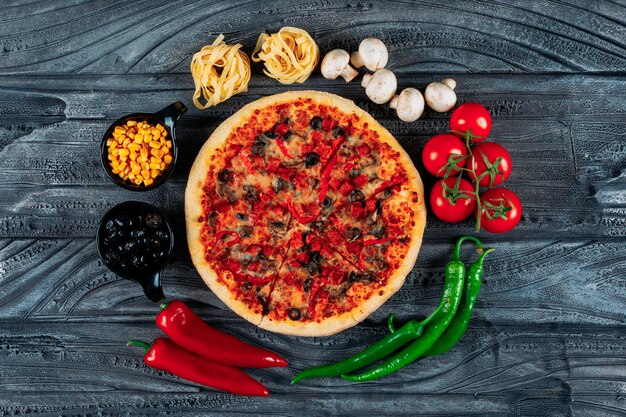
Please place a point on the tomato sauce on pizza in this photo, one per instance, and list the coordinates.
(303, 213)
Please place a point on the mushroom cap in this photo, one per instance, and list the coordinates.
(373, 54)
(440, 97)
(409, 104)
(334, 63)
(381, 86)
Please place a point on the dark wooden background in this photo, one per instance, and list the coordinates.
(549, 332)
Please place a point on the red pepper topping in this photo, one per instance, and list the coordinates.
(281, 129)
(283, 148)
(326, 178)
(236, 238)
(327, 124)
(370, 205)
(166, 355)
(345, 188)
(335, 183)
(272, 165)
(357, 211)
(190, 332)
(372, 242)
(363, 149)
(360, 181)
(353, 247)
(299, 217)
(305, 149)
(254, 279)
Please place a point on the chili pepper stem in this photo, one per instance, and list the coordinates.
(390, 325)
(163, 306)
(456, 253)
(146, 346)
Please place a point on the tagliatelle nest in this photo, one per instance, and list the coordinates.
(290, 55)
(219, 71)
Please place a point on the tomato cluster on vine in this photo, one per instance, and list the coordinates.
(487, 164)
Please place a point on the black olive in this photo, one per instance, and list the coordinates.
(277, 225)
(286, 136)
(109, 225)
(247, 285)
(224, 175)
(294, 314)
(111, 257)
(338, 131)
(352, 234)
(137, 233)
(213, 215)
(304, 236)
(316, 257)
(270, 134)
(313, 268)
(153, 244)
(153, 220)
(313, 183)
(113, 234)
(379, 206)
(119, 248)
(377, 232)
(130, 246)
(386, 193)
(307, 284)
(278, 185)
(327, 202)
(122, 221)
(162, 234)
(123, 264)
(316, 123)
(245, 231)
(242, 216)
(354, 172)
(258, 148)
(312, 159)
(353, 276)
(138, 261)
(356, 195)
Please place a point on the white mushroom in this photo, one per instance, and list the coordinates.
(372, 54)
(409, 104)
(380, 86)
(441, 96)
(336, 63)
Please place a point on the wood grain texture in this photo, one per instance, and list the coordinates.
(549, 331)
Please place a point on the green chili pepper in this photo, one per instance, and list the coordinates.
(397, 338)
(453, 289)
(461, 320)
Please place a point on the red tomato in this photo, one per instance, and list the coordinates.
(452, 212)
(491, 151)
(473, 117)
(507, 204)
(437, 151)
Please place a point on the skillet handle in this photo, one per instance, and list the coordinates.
(171, 113)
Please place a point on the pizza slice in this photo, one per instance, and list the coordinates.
(312, 290)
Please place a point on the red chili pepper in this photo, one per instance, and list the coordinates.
(259, 281)
(357, 210)
(236, 238)
(395, 180)
(281, 129)
(283, 148)
(345, 188)
(299, 217)
(372, 242)
(326, 178)
(189, 331)
(167, 356)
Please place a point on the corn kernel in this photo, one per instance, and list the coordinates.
(126, 141)
(168, 159)
(160, 127)
(157, 152)
(142, 159)
(143, 152)
(131, 176)
(148, 181)
(145, 166)
(145, 173)
(114, 163)
(155, 166)
(131, 123)
(155, 173)
(138, 181)
(122, 166)
(123, 152)
(169, 144)
(136, 170)
(115, 171)
(162, 166)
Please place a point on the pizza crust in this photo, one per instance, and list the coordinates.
(193, 210)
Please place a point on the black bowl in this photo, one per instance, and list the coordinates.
(168, 118)
(149, 277)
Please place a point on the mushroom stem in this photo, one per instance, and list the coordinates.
(367, 79)
(449, 82)
(349, 73)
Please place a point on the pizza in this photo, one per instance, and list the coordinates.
(304, 215)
